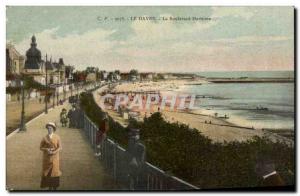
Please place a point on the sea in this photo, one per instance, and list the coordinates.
(258, 105)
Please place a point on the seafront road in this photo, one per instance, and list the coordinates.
(32, 109)
(80, 169)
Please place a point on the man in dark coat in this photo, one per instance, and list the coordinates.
(71, 116)
(76, 115)
(136, 152)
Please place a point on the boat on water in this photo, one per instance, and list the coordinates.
(224, 117)
(262, 108)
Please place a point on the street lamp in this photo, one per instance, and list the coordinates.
(77, 87)
(53, 96)
(57, 95)
(22, 125)
(64, 91)
(46, 96)
(71, 89)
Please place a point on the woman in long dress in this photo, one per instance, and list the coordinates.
(51, 146)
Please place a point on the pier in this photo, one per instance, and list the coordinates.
(250, 80)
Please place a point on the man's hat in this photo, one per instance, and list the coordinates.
(133, 132)
(104, 117)
(51, 124)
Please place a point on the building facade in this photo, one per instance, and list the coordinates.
(37, 68)
(14, 60)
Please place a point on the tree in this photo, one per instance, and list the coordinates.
(79, 76)
(134, 72)
(110, 76)
(133, 75)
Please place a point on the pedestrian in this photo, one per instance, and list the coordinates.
(51, 147)
(76, 115)
(63, 117)
(101, 134)
(71, 116)
(136, 158)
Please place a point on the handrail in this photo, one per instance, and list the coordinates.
(115, 160)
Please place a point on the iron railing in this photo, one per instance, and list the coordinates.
(115, 160)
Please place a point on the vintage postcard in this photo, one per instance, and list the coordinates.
(150, 98)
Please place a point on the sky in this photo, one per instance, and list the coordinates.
(233, 39)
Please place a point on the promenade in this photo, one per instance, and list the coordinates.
(33, 108)
(80, 169)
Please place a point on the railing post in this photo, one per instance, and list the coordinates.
(89, 129)
(148, 181)
(84, 123)
(130, 166)
(115, 161)
(105, 152)
(92, 134)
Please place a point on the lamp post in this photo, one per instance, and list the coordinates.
(46, 96)
(53, 96)
(22, 125)
(57, 95)
(64, 91)
(77, 88)
(71, 89)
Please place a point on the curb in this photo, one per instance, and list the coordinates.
(27, 123)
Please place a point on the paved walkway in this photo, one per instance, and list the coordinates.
(32, 108)
(81, 170)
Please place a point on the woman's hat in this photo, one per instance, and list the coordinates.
(51, 124)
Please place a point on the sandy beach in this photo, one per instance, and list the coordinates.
(217, 129)
(169, 85)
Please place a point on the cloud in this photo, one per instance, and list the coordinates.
(242, 12)
(85, 49)
(167, 46)
(152, 32)
(255, 39)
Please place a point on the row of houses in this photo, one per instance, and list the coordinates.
(149, 76)
(35, 66)
(58, 73)
(133, 75)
